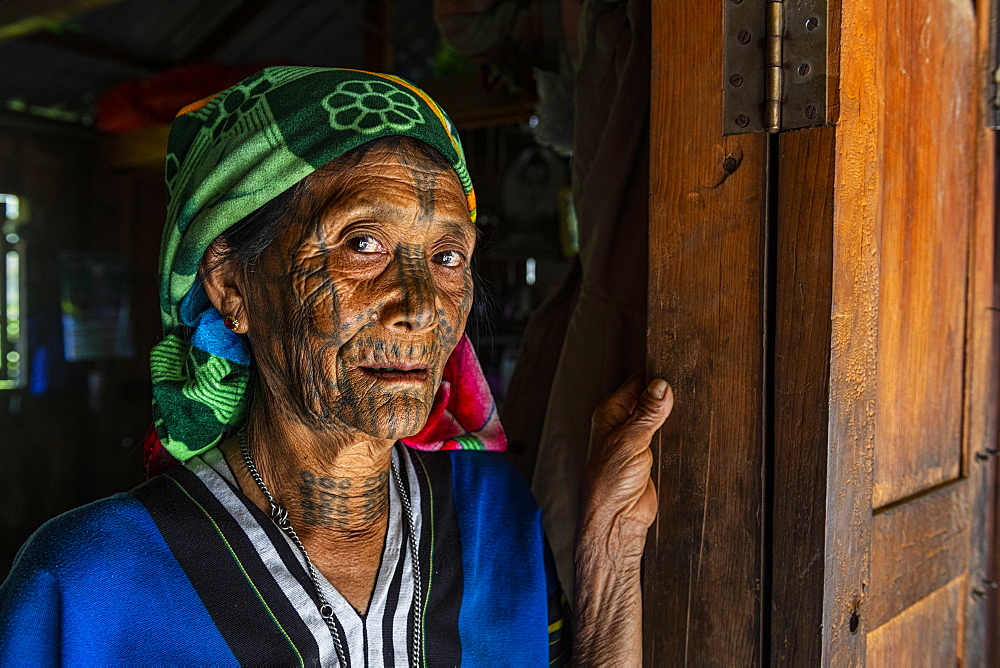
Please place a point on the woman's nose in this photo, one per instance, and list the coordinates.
(413, 306)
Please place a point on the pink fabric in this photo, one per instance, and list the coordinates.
(463, 409)
(463, 417)
(154, 455)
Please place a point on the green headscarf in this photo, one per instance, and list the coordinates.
(227, 156)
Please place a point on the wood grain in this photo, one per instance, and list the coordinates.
(926, 634)
(982, 641)
(880, 353)
(702, 563)
(982, 632)
(804, 257)
(918, 547)
(928, 160)
(853, 340)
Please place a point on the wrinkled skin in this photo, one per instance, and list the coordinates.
(376, 276)
(351, 315)
(617, 507)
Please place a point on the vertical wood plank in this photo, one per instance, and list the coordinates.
(928, 167)
(702, 564)
(982, 632)
(801, 388)
(854, 331)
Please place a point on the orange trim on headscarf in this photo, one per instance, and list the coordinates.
(195, 106)
(470, 197)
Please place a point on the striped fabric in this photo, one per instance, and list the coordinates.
(383, 636)
(186, 570)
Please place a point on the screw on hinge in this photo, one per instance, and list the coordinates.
(996, 80)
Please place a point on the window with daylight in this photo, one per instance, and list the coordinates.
(12, 334)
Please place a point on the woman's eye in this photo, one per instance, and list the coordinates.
(448, 258)
(365, 244)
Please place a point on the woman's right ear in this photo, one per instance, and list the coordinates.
(223, 287)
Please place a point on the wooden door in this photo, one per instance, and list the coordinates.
(821, 300)
(920, 523)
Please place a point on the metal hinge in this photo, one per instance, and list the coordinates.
(775, 65)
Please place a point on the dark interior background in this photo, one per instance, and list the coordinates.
(71, 431)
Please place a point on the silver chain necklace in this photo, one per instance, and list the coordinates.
(279, 516)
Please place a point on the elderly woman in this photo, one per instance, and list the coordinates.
(315, 289)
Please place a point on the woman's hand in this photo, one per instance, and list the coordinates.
(617, 490)
(617, 506)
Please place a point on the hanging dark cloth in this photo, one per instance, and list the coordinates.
(599, 314)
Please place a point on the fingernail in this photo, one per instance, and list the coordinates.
(657, 388)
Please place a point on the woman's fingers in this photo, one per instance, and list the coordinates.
(620, 404)
(631, 402)
(624, 423)
(651, 410)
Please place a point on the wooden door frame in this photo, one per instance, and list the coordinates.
(982, 417)
(702, 587)
(823, 436)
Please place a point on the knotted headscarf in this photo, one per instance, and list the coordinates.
(227, 156)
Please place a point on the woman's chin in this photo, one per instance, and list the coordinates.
(393, 433)
(401, 422)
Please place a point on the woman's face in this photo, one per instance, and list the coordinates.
(356, 307)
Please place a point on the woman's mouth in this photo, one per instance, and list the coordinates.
(409, 374)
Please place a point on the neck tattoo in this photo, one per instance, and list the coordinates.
(279, 516)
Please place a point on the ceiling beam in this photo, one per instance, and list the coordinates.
(20, 18)
(92, 47)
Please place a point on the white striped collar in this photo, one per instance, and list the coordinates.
(363, 635)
